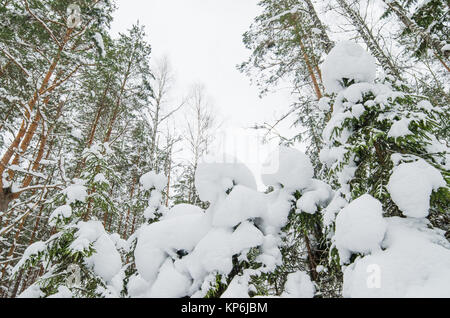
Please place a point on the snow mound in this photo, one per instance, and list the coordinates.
(298, 285)
(279, 206)
(411, 185)
(215, 251)
(33, 249)
(153, 180)
(64, 211)
(240, 205)
(76, 192)
(293, 169)
(416, 263)
(360, 227)
(238, 288)
(333, 208)
(400, 128)
(214, 179)
(170, 282)
(182, 209)
(105, 261)
(316, 195)
(158, 240)
(347, 60)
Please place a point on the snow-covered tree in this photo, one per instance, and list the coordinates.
(425, 28)
(390, 173)
(246, 243)
(288, 41)
(80, 259)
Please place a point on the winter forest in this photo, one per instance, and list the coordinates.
(113, 186)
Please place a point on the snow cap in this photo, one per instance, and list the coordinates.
(347, 60)
(294, 169)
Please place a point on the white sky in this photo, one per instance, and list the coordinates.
(203, 41)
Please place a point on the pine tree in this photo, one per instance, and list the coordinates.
(288, 41)
(426, 27)
(73, 259)
(382, 56)
(376, 128)
(61, 40)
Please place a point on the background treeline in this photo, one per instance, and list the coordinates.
(67, 86)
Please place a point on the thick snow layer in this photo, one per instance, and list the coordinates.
(279, 206)
(182, 210)
(105, 261)
(329, 156)
(65, 211)
(153, 180)
(137, 286)
(34, 291)
(238, 288)
(157, 240)
(33, 249)
(358, 110)
(324, 104)
(316, 195)
(215, 251)
(411, 185)
(213, 180)
(400, 128)
(271, 254)
(98, 39)
(288, 167)
(298, 285)
(119, 242)
(87, 233)
(329, 213)
(116, 284)
(360, 227)
(240, 205)
(415, 263)
(347, 60)
(170, 282)
(75, 192)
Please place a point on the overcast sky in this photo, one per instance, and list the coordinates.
(203, 40)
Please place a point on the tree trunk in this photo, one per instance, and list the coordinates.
(328, 44)
(310, 70)
(5, 197)
(373, 45)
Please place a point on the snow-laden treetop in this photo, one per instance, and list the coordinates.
(347, 60)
